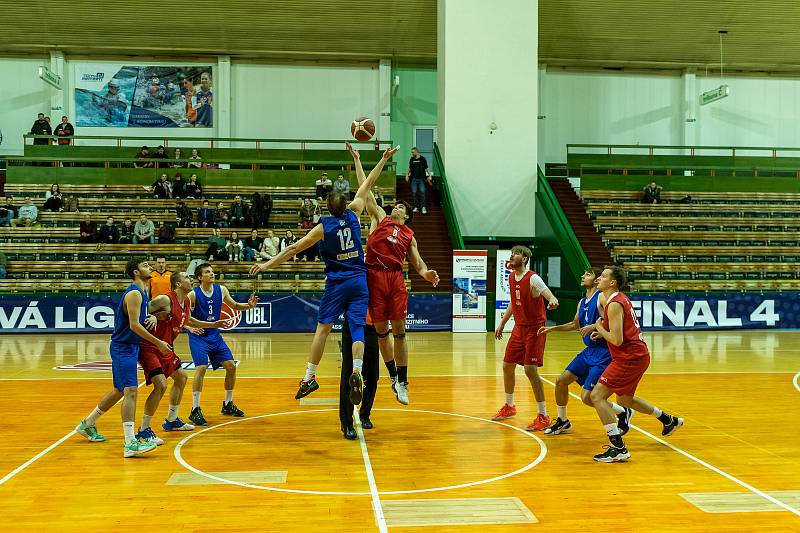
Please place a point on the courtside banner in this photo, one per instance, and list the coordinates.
(469, 290)
(279, 313)
(502, 290)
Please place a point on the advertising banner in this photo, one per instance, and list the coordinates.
(121, 96)
(469, 290)
(502, 290)
(279, 313)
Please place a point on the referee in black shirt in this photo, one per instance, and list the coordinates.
(370, 372)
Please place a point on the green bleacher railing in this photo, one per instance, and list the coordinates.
(652, 149)
(164, 140)
(570, 245)
(448, 208)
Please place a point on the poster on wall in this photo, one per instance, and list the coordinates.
(469, 290)
(502, 291)
(134, 96)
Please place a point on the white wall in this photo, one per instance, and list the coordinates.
(22, 96)
(488, 73)
(300, 102)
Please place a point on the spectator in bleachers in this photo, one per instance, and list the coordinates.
(652, 194)
(376, 192)
(342, 185)
(143, 156)
(7, 211)
(64, 132)
(126, 232)
(216, 246)
(183, 215)
(53, 200)
(234, 247)
(269, 247)
(176, 159)
(109, 232)
(287, 241)
(306, 214)
(193, 188)
(88, 229)
(195, 161)
(324, 186)
(41, 127)
(178, 186)
(252, 245)
(162, 188)
(205, 216)
(418, 175)
(71, 203)
(161, 153)
(237, 213)
(144, 231)
(27, 214)
(166, 233)
(221, 216)
(255, 211)
(266, 203)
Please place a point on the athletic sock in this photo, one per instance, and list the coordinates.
(392, 368)
(657, 412)
(665, 418)
(562, 412)
(618, 409)
(358, 364)
(613, 435)
(91, 420)
(510, 399)
(172, 414)
(311, 371)
(542, 406)
(402, 374)
(228, 396)
(127, 430)
(145, 421)
(196, 399)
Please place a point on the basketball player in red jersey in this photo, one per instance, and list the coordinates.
(390, 242)
(173, 311)
(525, 347)
(629, 360)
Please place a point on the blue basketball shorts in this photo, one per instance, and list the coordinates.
(349, 296)
(209, 349)
(124, 364)
(589, 365)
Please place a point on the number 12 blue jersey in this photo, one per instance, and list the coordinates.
(341, 247)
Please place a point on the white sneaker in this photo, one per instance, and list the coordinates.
(415, 210)
(424, 211)
(402, 393)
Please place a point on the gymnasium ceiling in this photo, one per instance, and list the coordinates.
(575, 33)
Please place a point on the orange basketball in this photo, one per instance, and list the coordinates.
(362, 129)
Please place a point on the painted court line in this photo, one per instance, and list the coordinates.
(711, 467)
(44, 452)
(796, 381)
(380, 519)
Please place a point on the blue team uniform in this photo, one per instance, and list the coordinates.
(589, 365)
(124, 346)
(209, 346)
(346, 283)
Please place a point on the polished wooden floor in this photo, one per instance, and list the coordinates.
(737, 391)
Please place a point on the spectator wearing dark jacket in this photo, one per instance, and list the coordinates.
(178, 187)
(162, 188)
(126, 232)
(221, 216)
(237, 213)
(166, 233)
(252, 245)
(143, 155)
(64, 131)
(205, 216)
(193, 188)
(109, 232)
(41, 127)
(7, 212)
(652, 194)
(88, 229)
(183, 215)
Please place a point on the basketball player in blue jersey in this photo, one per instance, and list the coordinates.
(206, 301)
(129, 330)
(587, 367)
(339, 238)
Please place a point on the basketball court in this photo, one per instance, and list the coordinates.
(438, 464)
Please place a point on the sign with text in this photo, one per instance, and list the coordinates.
(469, 290)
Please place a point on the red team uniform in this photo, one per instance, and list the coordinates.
(525, 347)
(387, 248)
(166, 330)
(630, 359)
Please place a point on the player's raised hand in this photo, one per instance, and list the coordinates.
(432, 277)
(257, 267)
(352, 150)
(252, 301)
(498, 333)
(390, 152)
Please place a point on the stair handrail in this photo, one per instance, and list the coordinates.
(570, 245)
(448, 208)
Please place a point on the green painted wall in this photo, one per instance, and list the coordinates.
(414, 103)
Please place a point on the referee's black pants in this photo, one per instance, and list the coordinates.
(370, 373)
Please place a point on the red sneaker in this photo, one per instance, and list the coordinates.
(507, 411)
(540, 423)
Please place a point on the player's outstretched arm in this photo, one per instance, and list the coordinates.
(365, 188)
(238, 306)
(315, 235)
(192, 322)
(539, 288)
(415, 260)
(569, 326)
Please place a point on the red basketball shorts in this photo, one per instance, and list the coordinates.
(623, 375)
(525, 347)
(152, 361)
(388, 296)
